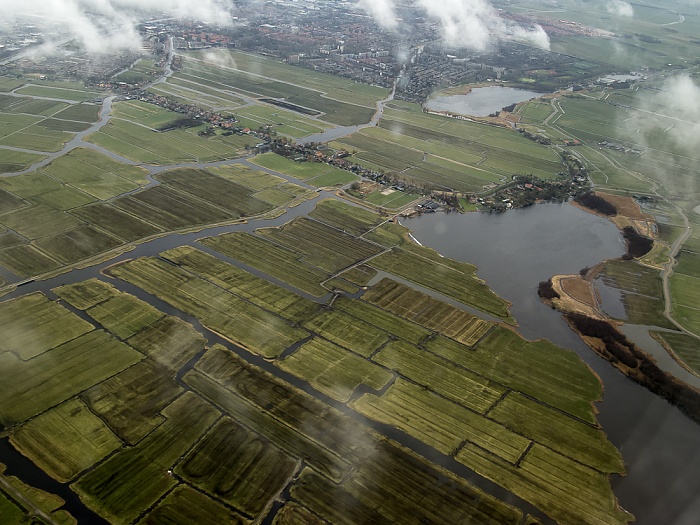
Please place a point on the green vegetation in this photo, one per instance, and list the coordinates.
(33, 325)
(333, 370)
(135, 478)
(283, 122)
(315, 173)
(242, 283)
(343, 102)
(18, 160)
(169, 342)
(278, 262)
(187, 505)
(441, 376)
(343, 216)
(241, 322)
(383, 319)
(347, 331)
(426, 311)
(65, 440)
(445, 153)
(453, 279)
(30, 387)
(129, 137)
(538, 369)
(641, 289)
(237, 466)
(45, 501)
(142, 71)
(438, 422)
(132, 402)
(685, 347)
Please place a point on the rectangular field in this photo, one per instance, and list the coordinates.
(65, 440)
(241, 322)
(333, 370)
(136, 478)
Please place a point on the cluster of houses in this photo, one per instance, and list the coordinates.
(619, 147)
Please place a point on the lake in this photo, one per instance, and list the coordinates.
(480, 102)
(514, 252)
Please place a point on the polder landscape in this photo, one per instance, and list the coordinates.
(216, 306)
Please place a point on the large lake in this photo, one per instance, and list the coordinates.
(480, 102)
(514, 252)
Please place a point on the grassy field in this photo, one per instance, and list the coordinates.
(18, 160)
(235, 465)
(642, 294)
(322, 246)
(65, 93)
(441, 376)
(281, 263)
(139, 142)
(33, 325)
(65, 440)
(191, 506)
(685, 347)
(537, 369)
(306, 171)
(283, 122)
(343, 216)
(343, 102)
(383, 319)
(456, 280)
(333, 370)
(449, 154)
(142, 71)
(347, 331)
(438, 422)
(132, 401)
(244, 323)
(32, 386)
(242, 283)
(428, 312)
(136, 478)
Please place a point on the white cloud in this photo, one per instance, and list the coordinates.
(381, 10)
(473, 24)
(107, 25)
(619, 8)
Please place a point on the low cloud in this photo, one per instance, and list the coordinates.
(103, 26)
(470, 24)
(619, 8)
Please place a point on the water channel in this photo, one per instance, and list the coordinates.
(480, 101)
(514, 252)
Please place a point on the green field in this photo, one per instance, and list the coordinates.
(341, 101)
(245, 324)
(33, 325)
(136, 478)
(65, 440)
(188, 505)
(333, 370)
(235, 465)
(642, 294)
(306, 171)
(32, 386)
(132, 136)
(278, 262)
(685, 347)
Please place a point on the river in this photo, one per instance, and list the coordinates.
(514, 252)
